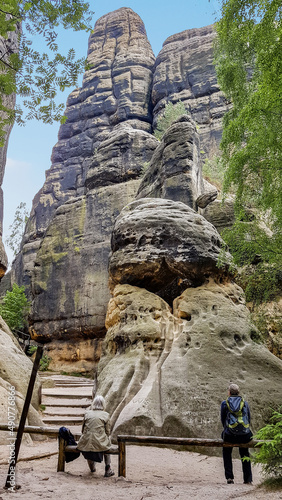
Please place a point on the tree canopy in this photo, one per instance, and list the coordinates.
(248, 58)
(33, 75)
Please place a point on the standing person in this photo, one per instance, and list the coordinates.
(235, 418)
(95, 437)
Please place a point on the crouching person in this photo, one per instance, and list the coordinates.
(95, 437)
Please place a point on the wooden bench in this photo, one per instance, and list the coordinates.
(64, 448)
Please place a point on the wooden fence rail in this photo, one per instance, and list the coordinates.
(130, 439)
(32, 429)
(172, 441)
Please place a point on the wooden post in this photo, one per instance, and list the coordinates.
(61, 455)
(10, 481)
(121, 458)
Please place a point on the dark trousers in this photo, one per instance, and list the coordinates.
(244, 452)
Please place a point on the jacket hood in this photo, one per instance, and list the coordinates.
(234, 403)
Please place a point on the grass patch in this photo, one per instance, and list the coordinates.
(272, 483)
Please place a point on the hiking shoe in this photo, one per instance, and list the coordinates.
(248, 482)
(230, 481)
(109, 473)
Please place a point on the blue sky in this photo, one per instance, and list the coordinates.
(30, 147)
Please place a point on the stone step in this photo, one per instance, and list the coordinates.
(62, 421)
(68, 392)
(66, 411)
(66, 401)
(62, 402)
(64, 377)
(72, 384)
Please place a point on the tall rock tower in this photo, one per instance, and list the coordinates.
(96, 169)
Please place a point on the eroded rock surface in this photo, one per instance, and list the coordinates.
(221, 215)
(161, 244)
(171, 381)
(184, 71)
(175, 169)
(15, 371)
(70, 277)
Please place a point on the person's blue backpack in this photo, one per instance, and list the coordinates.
(237, 420)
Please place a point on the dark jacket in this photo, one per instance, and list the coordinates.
(234, 403)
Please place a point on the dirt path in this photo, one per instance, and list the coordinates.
(152, 473)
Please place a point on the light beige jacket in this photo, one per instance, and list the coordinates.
(95, 431)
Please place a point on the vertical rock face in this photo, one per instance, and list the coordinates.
(115, 90)
(184, 71)
(95, 171)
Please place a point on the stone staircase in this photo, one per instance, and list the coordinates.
(66, 400)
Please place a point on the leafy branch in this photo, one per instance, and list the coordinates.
(35, 76)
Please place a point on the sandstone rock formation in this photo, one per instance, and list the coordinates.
(115, 93)
(165, 373)
(15, 370)
(175, 171)
(163, 246)
(177, 326)
(221, 215)
(184, 71)
(96, 169)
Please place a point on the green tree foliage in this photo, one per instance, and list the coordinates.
(270, 454)
(171, 113)
(249, 69)
(14, 308)
(17, 228)
(248, 57)
(213, 171)
(33, 75)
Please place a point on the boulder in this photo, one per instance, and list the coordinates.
(209, 195)
(220, 214)
(158, 244)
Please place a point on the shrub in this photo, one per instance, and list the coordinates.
(44, 363)
(45, 360)
(270, 453)
(14, 308)
(171, 113)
